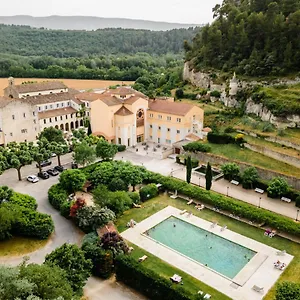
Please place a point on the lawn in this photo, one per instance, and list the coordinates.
(234, 152)
(19, 246)
(292, 273)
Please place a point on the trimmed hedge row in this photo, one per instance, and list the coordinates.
(236, 207)
(23, 200)
(196, 147)
(148, 192)
(220, 138)
(57, 196)
(144, 280)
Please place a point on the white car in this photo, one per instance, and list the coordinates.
(32, 178)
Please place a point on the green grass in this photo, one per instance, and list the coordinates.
(234, 152)
(292, 273)
(20, 246)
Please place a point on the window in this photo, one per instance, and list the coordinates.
(87, 104)
(57, 105)
(194, 117)
(150, 126)
(62, 105)
(24, 131)
(159, 128)
(11, 134)
(169, 118)
(169, 129)
(13, 117)
(35, 128)
(158, 140)
(44, 121)
(50, 119)
(150, 137)
(46, 107)
(168, 141)
(151, 115)
(40, 108)
(55, 119)
(178, 120)
(33, 113)
(66, 117)
(61, 117)
(178, 131)
(159, 116)
(88, 113)
(24, 115)
(69, 103)
(34, 121)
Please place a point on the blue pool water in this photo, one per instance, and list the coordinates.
(219, 254)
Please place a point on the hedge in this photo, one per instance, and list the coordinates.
(196, 147)
(149, 283)
(148, 192)
(23, 200)
(57, 196)
(219, 138)
(233, 206)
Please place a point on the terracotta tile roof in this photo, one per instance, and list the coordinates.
(124, 91)
(110, 100)
(41, 99)
(123, 111)
(207, 129)
(56, 112)
(73, 91)
(192, 137)
(39, 87)
(173, 108)
(86, 96)
(132, 99)
(4, 101)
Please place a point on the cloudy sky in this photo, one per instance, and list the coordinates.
(181, 11)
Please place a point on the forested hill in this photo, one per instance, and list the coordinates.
(88, 23)
(256, 37)
(27, 41)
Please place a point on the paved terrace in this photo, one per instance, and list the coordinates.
(259, 271)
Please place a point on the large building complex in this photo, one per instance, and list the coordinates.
(122, 115)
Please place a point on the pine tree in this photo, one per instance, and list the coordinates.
(208, 177)
(188, 169)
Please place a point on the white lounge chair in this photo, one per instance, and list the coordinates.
(207, 296)
(176, 278)
(200, 207)
(141, 259)
(224, 228)
(183, 212)
(283, 252)
(190, 202)
(213, 225)
(258, 289)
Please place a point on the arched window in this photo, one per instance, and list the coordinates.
(140, 118)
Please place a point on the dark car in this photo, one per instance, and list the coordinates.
(59, 168)
(74, 165)
(52, 172)
(43, 175)
(45, 163)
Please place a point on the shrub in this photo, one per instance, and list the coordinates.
(298, 201)
(76, 206)
(288, 291)
(23, 200)
(65, 209)
(72, 180)
(229, 129)
(57, 196)
(144, 280)
(277, 187)
(179, 94)
(230, 170)
(117, 184)
(135, 197)
(215, 94)
(249, 177)
(149, 191)
(219, 138)
(114, 242)
(197, 147)
(121, 148)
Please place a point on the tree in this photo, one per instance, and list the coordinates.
(208, 177)
(5, 193)
(179, 94)
(45, 279)
(288, 291)
(188, 169)
(117, 184)
(90, 218)
(7, 220)
(230, 170)
(103, 174)
(89, 132)
(72, 180)
(18, 156)
(114, 242)
(84, 154)
(277, 188)
(52, 134)
(71, 259)
(130, 174)
(41, 152)
(59, 149)
(249, 176)
(105, 150)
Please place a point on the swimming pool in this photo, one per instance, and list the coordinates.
(217, 253)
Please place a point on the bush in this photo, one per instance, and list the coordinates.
(229, 129)
(117, 184)
(23, 200)
(288, 291)
(72, 180)
(197, 147)
(233, 206)
(249, 177)
(121, 148)
(230, 171)
(219, 138)
(135, 197)
(144, 280)
(215, 94)
(181, 159)
(277, 187)
(113, 242)
(65, 208)
(149, 191)
(57, 196)
(179, 93)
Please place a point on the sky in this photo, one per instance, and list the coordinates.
(178, 11)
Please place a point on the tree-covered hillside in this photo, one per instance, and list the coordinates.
(26, 41)
(252, 37)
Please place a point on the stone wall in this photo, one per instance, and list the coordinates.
(263, 173)
(291, 160)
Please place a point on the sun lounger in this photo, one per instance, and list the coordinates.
(200, 207)
(137, 205)
(183, 212)
(258, 289)
(190, 202)
(223, 228)
(214, 225)
(130, 249)
(283, 252)
(176, 278)
(141, 259)
(207, 296)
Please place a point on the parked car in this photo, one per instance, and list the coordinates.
(45, 163)
(59, 168)
(32, 178)
(74, 165)
(52, 172)
(43, 175)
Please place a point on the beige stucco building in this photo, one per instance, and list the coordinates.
(125, 116)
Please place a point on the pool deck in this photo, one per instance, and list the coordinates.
(259, 271)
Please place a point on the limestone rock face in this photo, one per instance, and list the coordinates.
(199, 79)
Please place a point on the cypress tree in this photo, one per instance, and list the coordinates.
(208, 177)
(188, 169)
(89, 132)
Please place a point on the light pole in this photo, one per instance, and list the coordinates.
(297, 215)
(227, 190)
(259, 202)
(199, 181)
(172, 173)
